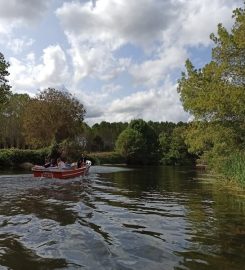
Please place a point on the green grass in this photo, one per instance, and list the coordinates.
(234, 167)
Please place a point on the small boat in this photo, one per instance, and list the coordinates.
(55, 172)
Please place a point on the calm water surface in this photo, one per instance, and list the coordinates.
(116, 218)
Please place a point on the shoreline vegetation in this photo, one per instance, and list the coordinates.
(51, 124)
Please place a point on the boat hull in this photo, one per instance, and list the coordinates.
(59, 173)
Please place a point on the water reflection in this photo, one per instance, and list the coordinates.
(148, 218)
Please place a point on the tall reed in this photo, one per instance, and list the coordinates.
(234, 167)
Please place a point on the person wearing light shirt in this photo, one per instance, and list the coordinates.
(61, 164)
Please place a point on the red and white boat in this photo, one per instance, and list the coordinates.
(55, 172)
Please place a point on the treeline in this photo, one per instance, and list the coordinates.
(141, 142)
(54, 120)
(45, 121)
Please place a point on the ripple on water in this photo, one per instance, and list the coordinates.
(117, 219)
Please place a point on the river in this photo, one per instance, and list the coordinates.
(121, 218)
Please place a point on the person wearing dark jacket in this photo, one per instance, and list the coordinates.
(81, 161)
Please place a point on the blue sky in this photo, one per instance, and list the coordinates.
(120, 58)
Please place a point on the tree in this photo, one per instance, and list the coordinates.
(215, 94)
(138, 143)
(11, 133)
(97, 144)
(108, 132)
(132, 146)
(151, 139)
(53, 116)
(4, 87)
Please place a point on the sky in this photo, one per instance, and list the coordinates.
(121, 58)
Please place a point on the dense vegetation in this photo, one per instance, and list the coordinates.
(215, 96)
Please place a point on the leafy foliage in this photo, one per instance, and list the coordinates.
(52, 116)
(11, 117)
(131, 145)
(215, 96)
(4, 87)
(105, 134)
(174, 149)
(216, 92)
(138, 143)
(14, 157)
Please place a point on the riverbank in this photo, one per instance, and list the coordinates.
(25, 158)
(232, 175)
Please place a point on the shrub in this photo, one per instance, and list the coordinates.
(14, 157)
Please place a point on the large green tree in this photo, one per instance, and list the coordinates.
(215, 94)
(131, 145)
(174, 150)
(4, 86)
(53, 116)
(138, 143)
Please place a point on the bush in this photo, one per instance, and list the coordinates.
(14, 157)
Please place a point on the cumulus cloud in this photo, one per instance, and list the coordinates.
(164, 29)
(96, 32)
(197, 20)
(152, 71)
(95, 62)
(97, 103)
(29, 75)
(157, 104)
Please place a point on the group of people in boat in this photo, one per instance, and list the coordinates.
(62, 164)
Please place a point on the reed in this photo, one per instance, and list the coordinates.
(234, 167)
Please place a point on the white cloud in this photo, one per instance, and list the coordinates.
(118, 21)
(17, 45)
(15, 13)
(96, 31)
(161, 104)
(96, 103)
(95, 62)
(197, 20)
(164, 29)
(29, 75)
(152, 71)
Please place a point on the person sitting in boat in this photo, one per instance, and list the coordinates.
(68, 165)
(61, 164)
(47, 163)
(81, 161)
(53, 163)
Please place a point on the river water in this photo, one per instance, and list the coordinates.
(119, 218)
